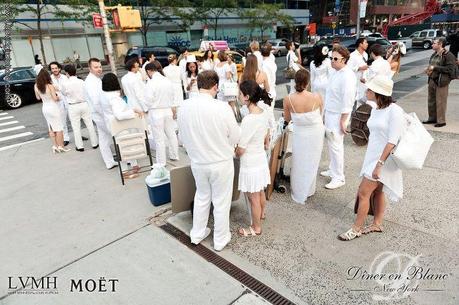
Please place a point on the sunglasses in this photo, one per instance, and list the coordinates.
(336, 58)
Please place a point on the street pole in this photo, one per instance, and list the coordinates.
(108, 40)
(358, 19)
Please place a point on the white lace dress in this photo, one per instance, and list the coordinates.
(51, 111)
(386, 126)
(254, 172)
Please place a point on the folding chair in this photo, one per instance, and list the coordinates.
(131, 141)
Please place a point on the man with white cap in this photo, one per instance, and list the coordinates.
(209, 132)
(339, 100)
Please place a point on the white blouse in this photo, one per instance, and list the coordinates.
(320, 76)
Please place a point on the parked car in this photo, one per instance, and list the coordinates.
(21, 83)
(278, 47)
(425, 38)
(161, 53)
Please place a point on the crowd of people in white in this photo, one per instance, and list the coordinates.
(190, 101)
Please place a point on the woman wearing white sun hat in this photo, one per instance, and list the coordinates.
(379, 173)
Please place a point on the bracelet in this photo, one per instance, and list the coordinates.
(381, 162)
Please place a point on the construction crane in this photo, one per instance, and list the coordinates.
(432, 7)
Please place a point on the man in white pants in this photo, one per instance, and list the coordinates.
(159, 101)
(270, 68)
(93, 91)
(358, 63)
(133, 87)
(78, 108)
(58, 80)
(209, 132)
(339, 100)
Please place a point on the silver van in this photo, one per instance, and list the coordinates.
(425, 38)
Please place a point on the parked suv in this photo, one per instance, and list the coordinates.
(161, 53)
(425, 38)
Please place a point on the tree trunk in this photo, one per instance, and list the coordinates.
(215, 28)
(40, 34)
(144, 36)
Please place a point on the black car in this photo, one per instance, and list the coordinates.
(21, 83)
(161, 53)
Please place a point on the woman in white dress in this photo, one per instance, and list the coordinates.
(293, 61)
(304, 109)
(254, 172)
(174, 74)
(114, 107)
(45, 91)
(379, 173)
(191, 81)
(208, 61)
(393, 57)
(224, 75)
(321, 70)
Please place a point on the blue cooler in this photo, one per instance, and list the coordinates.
(160, 193)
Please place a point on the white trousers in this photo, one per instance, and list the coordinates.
(105, 139)
(214, 183)
(78, 112)
(64, 112)
(163, 129)
(335, 143)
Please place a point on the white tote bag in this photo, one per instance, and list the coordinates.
(230, 89)
(414, 145)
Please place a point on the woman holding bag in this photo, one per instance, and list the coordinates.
(379, 173)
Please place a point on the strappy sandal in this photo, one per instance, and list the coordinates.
(350, 234)
(373, 228)
(251, 233)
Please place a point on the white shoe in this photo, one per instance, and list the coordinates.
(326, 173)
(334, 184)
(197, 241)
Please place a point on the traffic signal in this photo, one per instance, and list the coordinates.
(125, 18)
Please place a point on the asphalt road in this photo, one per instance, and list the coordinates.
(30, 124)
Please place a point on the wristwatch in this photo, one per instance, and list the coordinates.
(381, 162)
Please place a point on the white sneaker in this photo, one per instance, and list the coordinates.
(334, 184)
(197, 241)
(326, 173)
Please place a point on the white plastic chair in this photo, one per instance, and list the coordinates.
(131, 141)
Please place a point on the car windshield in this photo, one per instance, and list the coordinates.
(383, 42)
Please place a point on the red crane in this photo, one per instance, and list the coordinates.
(432, 7)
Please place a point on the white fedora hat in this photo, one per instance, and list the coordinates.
(191, 58)
(381, 84)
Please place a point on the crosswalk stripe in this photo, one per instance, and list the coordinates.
(19, 135)
(11, 129)
(20, 144)
(8, 123)
(4, 113)
(6, 118)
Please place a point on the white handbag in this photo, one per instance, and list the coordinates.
(230, 89)
(414, 145)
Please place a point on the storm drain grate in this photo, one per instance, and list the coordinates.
(240, 275)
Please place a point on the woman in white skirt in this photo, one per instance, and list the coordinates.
(304, 109)
(45, 91)
(379, 173)
(254, 172)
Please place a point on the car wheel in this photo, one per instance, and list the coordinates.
(14, 102)
(426, 45)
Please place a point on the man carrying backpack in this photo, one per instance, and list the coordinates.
(441, 71)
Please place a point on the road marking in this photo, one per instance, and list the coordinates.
(11, 129)
(4, 113)
(9, 123)
(19, 135)
(20, 144)
(6, 118)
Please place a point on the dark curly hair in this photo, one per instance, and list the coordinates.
(318, 56)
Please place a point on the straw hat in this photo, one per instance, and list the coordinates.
(381, 84)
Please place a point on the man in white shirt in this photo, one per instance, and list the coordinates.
(209, 133)
(93, 91)
(339, 100)
(270, 68)
(358, 63)
(159, 102)
(78, 108)
(58, 80)
(379, 66)
(133, 87)
(149, 59)
(255, 48)
(182, 64)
